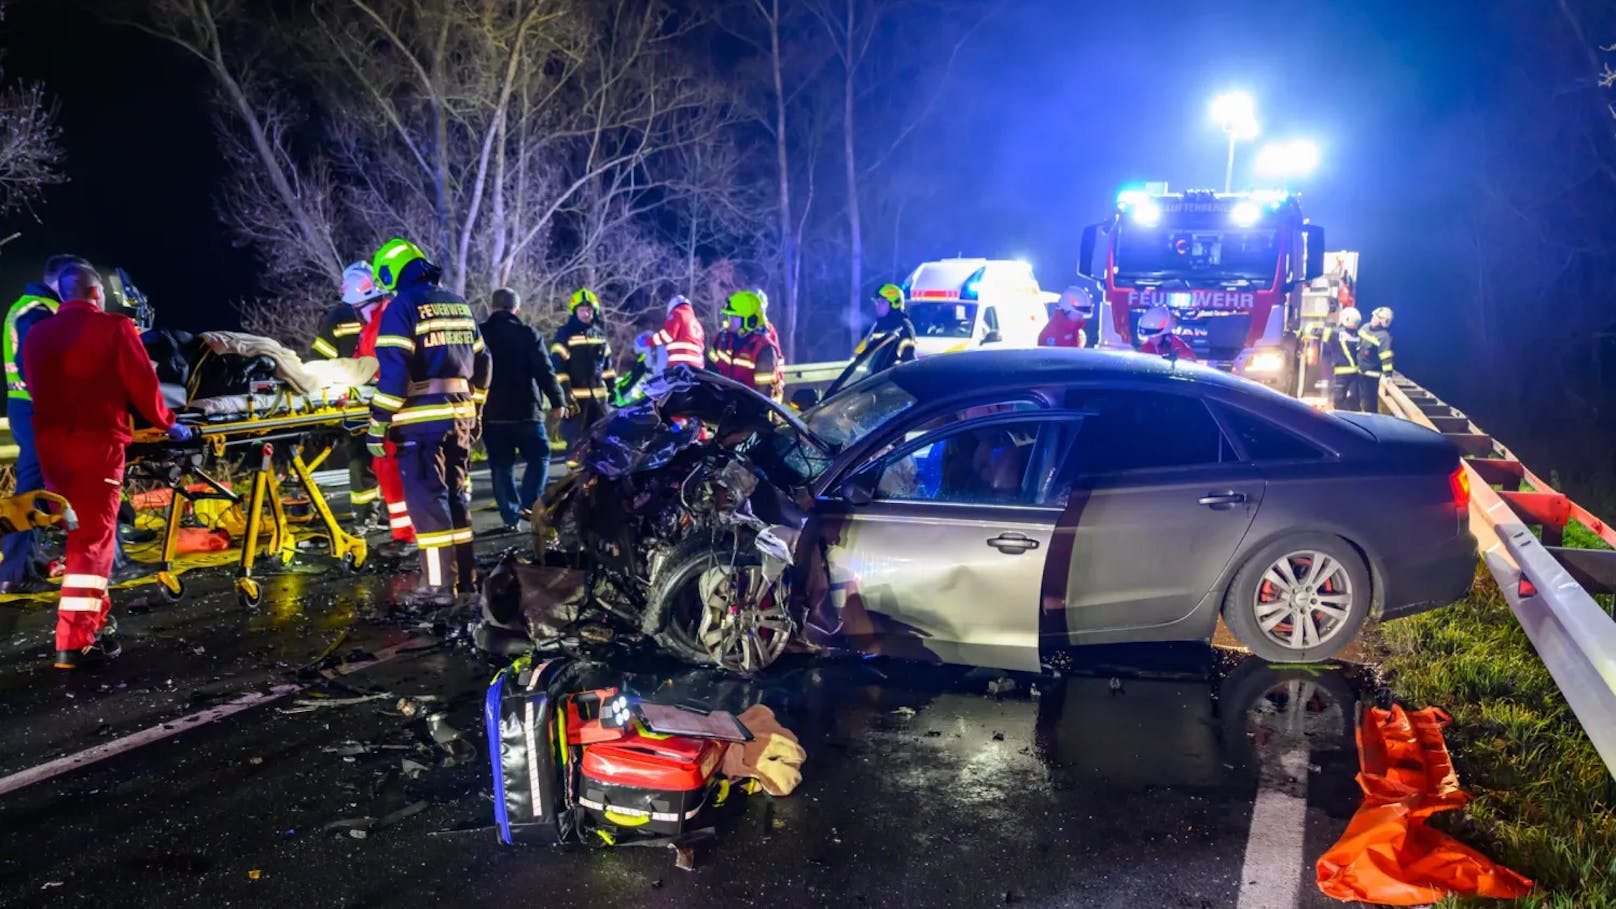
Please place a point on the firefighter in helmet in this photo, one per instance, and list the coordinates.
(1339, 343)
(1066, 324)
(1157, 337)
(890, 321)
(1374, 357)
(746, 350)
(583, 362)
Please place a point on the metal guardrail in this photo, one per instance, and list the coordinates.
(813, 373)
(1574, 636)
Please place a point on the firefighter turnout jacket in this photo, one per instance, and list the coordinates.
(683, 337)
(751, 358)
(339, 333)
(435, 369)
(583, 359)
(893, 323)
(1374, 351)
(1340, 349)
(37, 302)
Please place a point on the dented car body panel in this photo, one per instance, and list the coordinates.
(982, 508)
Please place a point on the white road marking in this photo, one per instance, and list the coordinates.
(1272, 875)
(68, 763)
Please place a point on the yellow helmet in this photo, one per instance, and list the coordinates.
(391, 259)
(891, 293)
(750, 306)
(583, 297)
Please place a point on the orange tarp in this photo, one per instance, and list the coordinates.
(1388, 854)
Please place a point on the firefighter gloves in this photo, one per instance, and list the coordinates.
(773, 757)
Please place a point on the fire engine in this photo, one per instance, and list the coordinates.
(1231, 267)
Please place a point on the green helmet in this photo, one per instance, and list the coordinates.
(391, 259)
(583, 296)
(891, 293)
(750, 306)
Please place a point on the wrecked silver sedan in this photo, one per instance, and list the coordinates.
(989, 508)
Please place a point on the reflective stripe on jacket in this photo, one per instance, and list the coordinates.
(683, 337)
(435, 369)
(1374, 351)
(583, 358)
(339, 333)
(752, 359)
(1340, 348)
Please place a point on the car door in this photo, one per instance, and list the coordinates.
(937, 551)
(1156, 505)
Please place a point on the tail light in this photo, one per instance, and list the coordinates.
(1459, 482)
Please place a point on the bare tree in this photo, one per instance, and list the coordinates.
(30, 145)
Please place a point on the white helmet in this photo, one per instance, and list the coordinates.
(1077, 301)
(1350, 317)
(1156, 320)
(677, 301)
(359, 285)
(1383, 313)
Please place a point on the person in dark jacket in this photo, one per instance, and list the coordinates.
(513, 418)
(434, 377)
(890, 320)
(583, 360)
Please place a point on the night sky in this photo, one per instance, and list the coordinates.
(1054, 105)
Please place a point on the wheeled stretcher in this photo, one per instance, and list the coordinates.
(281, 427)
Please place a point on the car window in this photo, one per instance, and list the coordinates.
(990, 318)
(955, 415)
(1263, 441)
(993, 464)
(1128, 429)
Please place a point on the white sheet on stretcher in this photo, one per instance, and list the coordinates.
(273, 405)
(316, 377)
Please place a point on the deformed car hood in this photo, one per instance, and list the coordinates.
(648, 434)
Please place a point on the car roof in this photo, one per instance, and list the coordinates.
(948, 375)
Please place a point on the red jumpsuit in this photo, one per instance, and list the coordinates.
(388, 479)
(1062, 331)
(87, 369)
(1160, 344)
(682, 335)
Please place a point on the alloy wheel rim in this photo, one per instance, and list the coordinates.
(1303, 600)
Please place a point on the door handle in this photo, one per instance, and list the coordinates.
(1013, 543)
(1221, 500)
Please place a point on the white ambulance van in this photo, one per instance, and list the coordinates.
(964, 304)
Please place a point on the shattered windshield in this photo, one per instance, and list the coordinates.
(850, 415)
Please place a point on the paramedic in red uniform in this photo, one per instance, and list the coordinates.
(87, 369)
(1156, 328)
(388, 481)
(1065, 326)
(681, 342)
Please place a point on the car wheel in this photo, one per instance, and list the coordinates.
(1266, 712)
(710, 603)
(1300, 599)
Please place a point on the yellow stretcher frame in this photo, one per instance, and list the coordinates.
(154, 455)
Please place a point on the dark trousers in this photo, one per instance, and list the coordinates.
(576, 428)
(1344, 391)
(505, 441)
(18, 551)
(1369, 394)
(435, 468)
(362, 490)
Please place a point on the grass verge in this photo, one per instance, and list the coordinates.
(1545, 803)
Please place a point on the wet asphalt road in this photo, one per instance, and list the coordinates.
(1130, 782)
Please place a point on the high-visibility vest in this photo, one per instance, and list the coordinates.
(11, 345)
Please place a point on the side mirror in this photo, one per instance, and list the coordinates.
(804, 398)
(1085, 255)
(859, 489)
(1313, 239)
(993, 337)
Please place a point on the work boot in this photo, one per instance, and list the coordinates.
(398, 549)
(104, 648)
